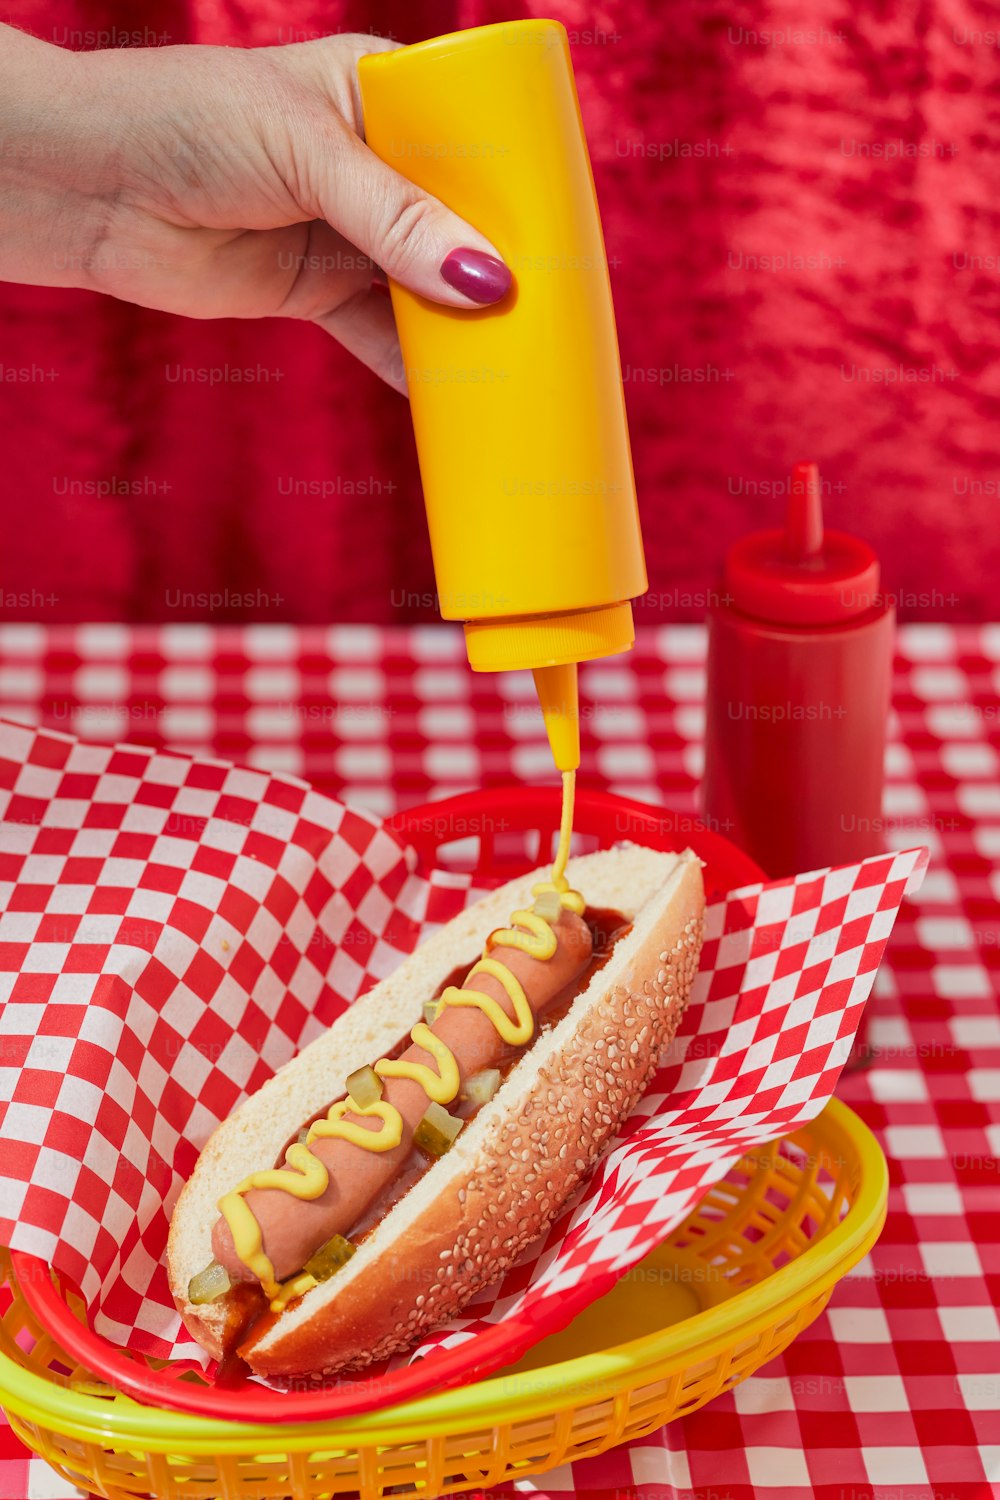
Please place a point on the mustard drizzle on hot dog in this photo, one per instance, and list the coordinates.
(308, 1177)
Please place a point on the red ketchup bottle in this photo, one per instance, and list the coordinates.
(799, 675)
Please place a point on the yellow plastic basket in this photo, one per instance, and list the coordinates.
(731, 1287)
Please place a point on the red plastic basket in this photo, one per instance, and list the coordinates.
(498, 834)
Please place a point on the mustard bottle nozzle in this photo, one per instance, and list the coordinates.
(559, 696)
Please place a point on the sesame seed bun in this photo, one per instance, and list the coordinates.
(514, 1165)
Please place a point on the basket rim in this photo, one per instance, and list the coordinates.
(77, 1414)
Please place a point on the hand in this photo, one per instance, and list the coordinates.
(215, 182)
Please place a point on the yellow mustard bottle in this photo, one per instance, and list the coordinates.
(518, 408)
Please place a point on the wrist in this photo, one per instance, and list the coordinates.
(52, 165)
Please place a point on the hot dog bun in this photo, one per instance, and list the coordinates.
(512, 1168)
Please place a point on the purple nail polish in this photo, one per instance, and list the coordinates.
(482, 277)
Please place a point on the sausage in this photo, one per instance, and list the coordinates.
(292, 1229)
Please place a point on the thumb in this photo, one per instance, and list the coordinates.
(414, 238)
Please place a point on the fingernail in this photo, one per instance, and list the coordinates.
(481, 277)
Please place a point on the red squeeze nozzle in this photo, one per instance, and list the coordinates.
(804, 519)
(802, 574)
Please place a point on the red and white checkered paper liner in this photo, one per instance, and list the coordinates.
(173, 930)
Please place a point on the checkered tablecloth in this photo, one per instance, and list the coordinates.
(894, 1393)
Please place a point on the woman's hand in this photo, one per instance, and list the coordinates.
(217, 182)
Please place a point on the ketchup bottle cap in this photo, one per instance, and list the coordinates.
(802, 575)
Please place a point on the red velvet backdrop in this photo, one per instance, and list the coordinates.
(803, 231)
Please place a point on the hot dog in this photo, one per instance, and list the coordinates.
(291, 1232)
(420, 1234)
